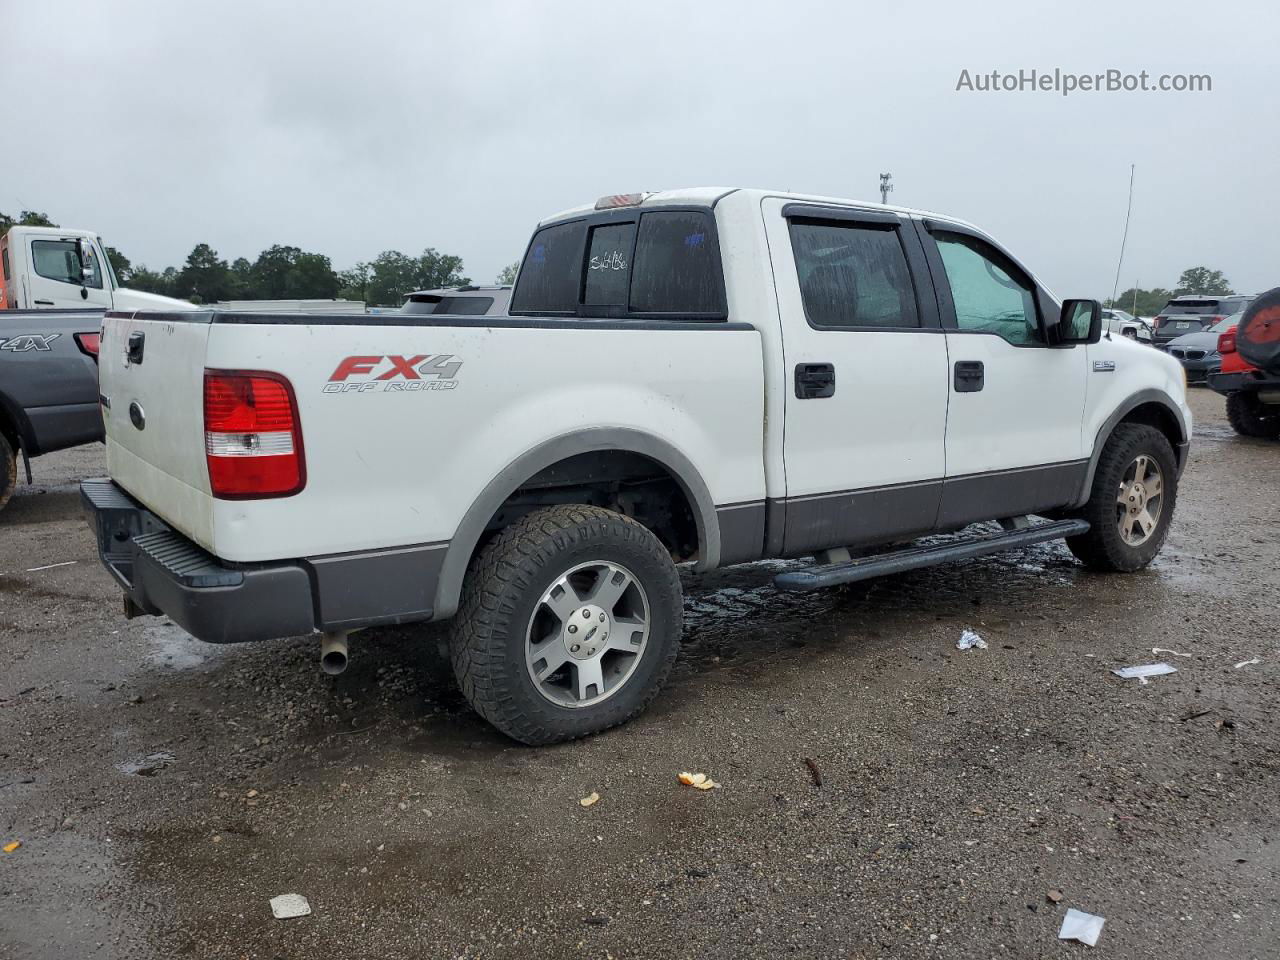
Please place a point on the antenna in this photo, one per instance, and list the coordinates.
(886, 186)
(1123, 240)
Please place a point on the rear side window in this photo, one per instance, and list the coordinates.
(551, 274)
(853, 275)
(658, 263)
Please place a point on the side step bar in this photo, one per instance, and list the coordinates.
(912, 558)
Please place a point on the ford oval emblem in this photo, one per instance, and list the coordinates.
(136, 416)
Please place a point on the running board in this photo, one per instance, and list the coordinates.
(912, 558)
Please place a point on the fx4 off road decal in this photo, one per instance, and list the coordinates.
(394, 374)
(26, 342)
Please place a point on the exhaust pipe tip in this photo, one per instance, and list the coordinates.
(333, 653)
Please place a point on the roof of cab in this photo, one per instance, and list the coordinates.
(710, 196)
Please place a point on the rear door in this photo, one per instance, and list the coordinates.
(55, 279)
(1013, 438)
(866, 368)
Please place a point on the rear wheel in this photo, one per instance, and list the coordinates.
(1131, 504)
(8, 470)
(1251, 418)
(569, 624)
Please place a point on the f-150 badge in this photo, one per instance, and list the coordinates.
(394, 374)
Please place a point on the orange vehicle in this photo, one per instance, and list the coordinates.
(1250, 373)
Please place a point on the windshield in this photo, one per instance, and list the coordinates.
(1228, 324)
(111, 270)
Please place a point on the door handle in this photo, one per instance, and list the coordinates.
(970, 376)
(815, 381)
(137, 344)
(43, 303)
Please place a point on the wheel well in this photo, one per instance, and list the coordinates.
(628, 483)
(1159, 416)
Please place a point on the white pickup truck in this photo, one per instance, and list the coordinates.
(712, 376)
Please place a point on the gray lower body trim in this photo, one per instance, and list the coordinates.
(741, 532)
(63, 426)
(875, 515)
(1009, 493)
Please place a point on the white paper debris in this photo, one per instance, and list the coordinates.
(290, 905)
(1078, 925)
(51, 566)
(970, 639)
(1248, 663)
(1166, 650)
(1144, 671)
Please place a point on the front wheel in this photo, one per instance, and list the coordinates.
(569, 624)
(1251, 418)
(8, 470)
(1135, 489)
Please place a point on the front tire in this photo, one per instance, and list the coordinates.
(569, 623)
(1250, 418)
(8, 470)
(1130, 508)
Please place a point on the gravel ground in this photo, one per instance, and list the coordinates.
(163, 790)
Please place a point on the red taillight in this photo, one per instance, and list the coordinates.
(252, 435)
(1155, 323)
(1227, 342)
(1212, 321)
(89, 343)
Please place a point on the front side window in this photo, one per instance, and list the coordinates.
(58, 260)
(990, 294)
(853, 275)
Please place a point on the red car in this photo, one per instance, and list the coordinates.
(1250, 374)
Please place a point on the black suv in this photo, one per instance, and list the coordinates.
(1192, 314)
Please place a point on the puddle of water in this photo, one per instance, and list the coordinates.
(147, 766)
(174, 648)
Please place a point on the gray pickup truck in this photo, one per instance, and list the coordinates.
(48, 386)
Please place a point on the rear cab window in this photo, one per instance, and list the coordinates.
(661, 263)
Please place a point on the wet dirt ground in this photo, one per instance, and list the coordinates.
(163, 790)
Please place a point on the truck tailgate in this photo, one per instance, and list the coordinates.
(152, 383)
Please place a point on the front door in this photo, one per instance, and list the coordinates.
(54, 279)
(1013, 443)
(866, 376)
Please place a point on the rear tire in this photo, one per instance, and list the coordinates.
(569, 623)
(1250, 418)
(1130, 508)
(8, 470)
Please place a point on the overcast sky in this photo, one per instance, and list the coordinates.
(354, 127)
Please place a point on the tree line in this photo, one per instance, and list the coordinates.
(1194, 280)
(282, 272)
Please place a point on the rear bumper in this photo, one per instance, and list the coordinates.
(162, 572)
(1234, 382)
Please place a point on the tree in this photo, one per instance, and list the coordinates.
(205, 278)
(121, 264)
(242, 279)
(28, 218)
(508, 273)
(440, 270)
(354, 283)
(1204, 281)
(1142, 303)
(289, 273)
(392, 275)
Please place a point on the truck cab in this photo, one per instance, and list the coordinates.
(49, 268)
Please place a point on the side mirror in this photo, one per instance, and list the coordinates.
(84, 251)
(1081, 322)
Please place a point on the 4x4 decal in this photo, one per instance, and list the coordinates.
(394, 374)
(26, 342)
